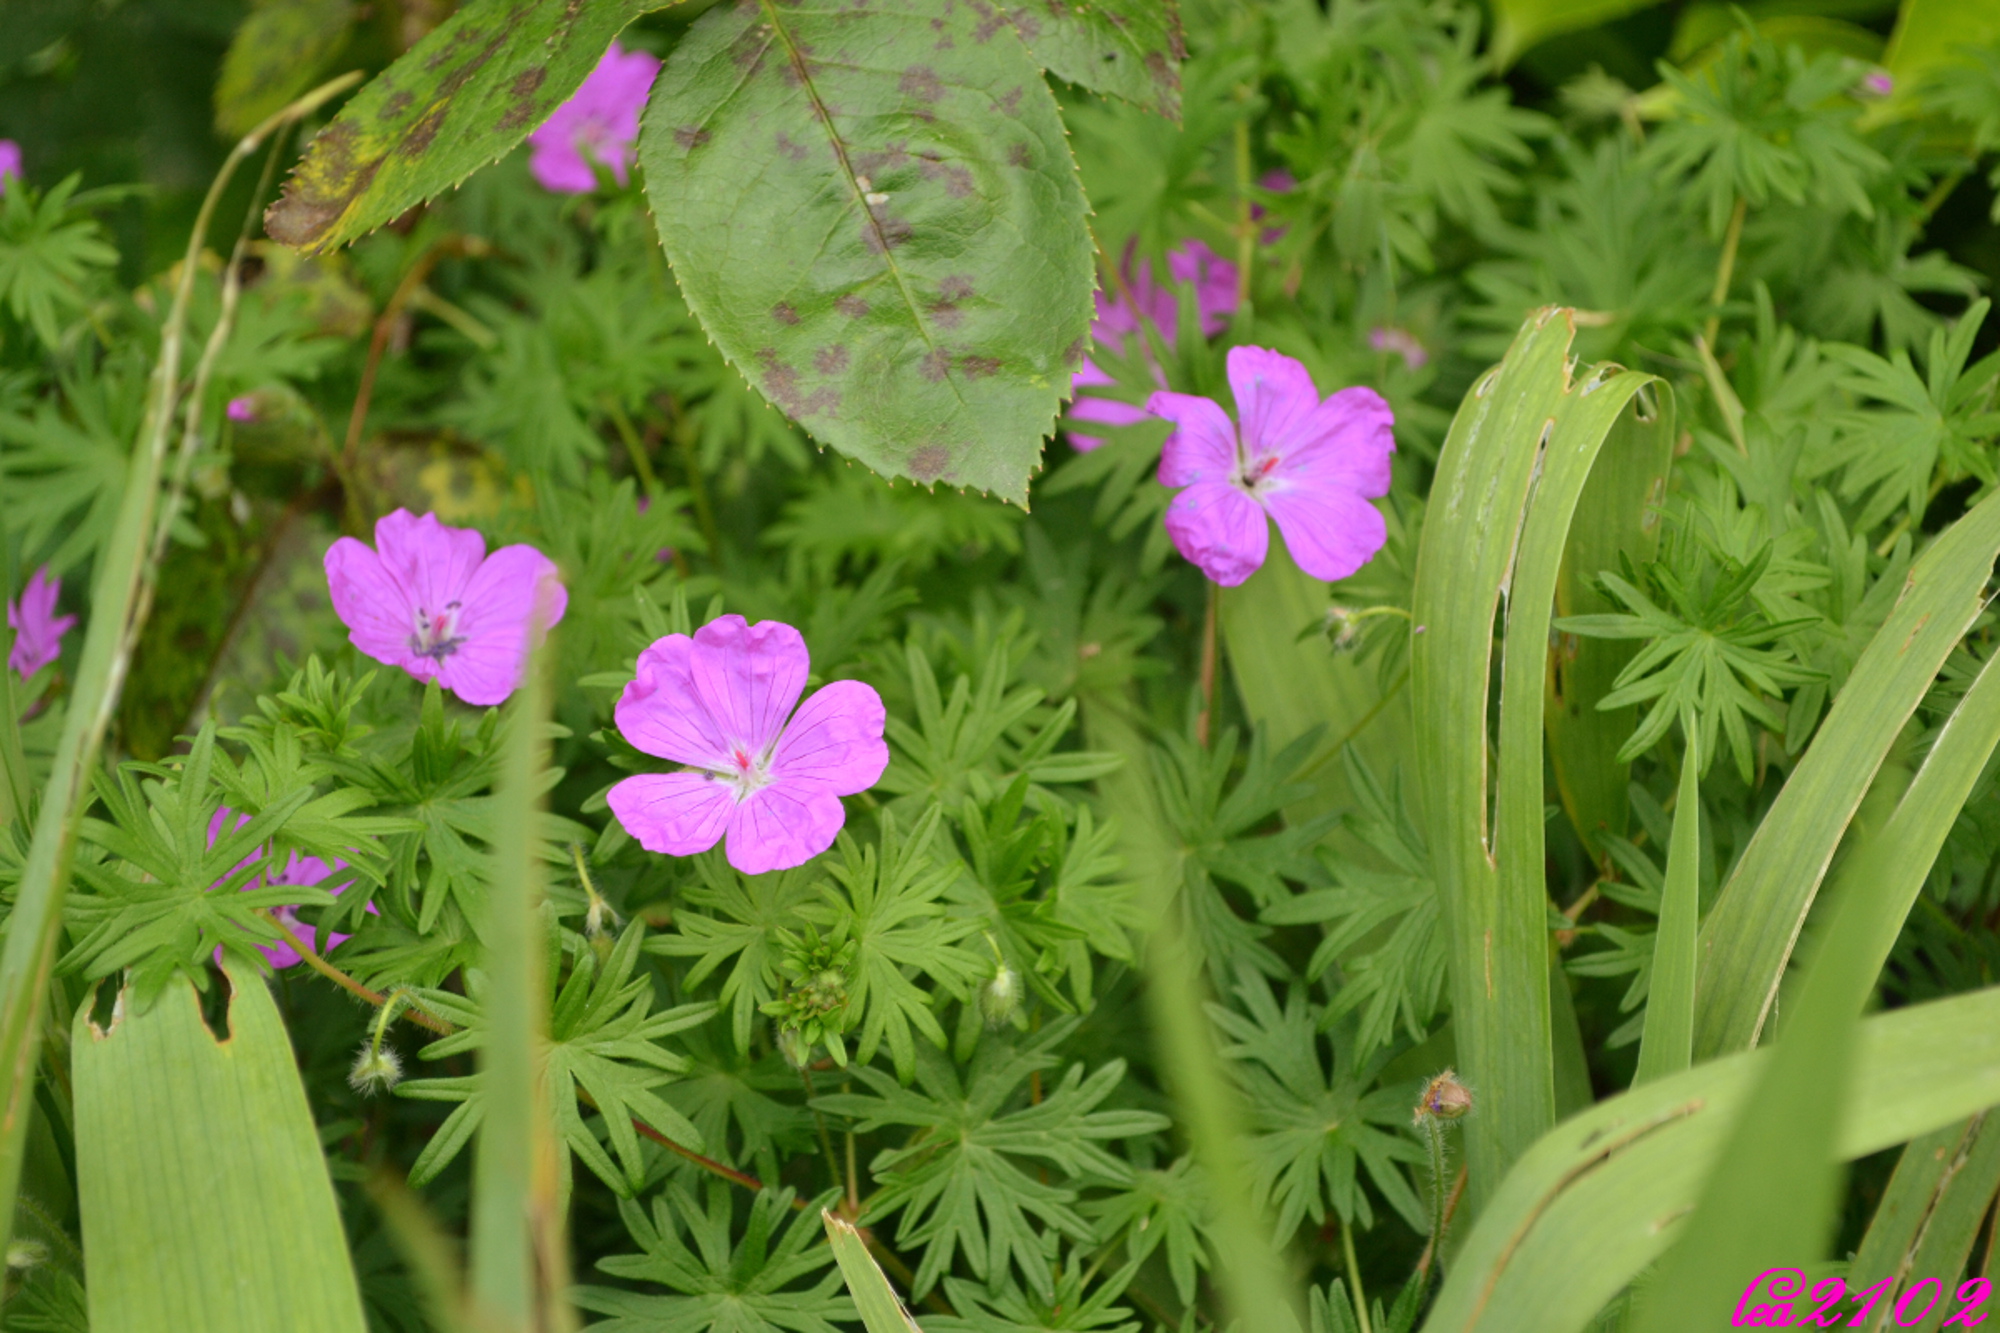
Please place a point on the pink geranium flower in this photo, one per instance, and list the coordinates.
(430, 600)
(1387, 338)
(1119, 318)
(596, 125)
(38, 630)
(300, 870)
(243, 407)
(1311, 465)
(718, 702)
(10, 163)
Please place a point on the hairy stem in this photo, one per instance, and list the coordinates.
(1210, 615)
(1354, 1276)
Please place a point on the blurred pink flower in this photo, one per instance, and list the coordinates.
(1310, 465)
(719, 703)
(1387, 338)
(1878, 83)
(1277, 181)
(1121, 314)
(596, 125)
(300, 870)
(38, 630)
(242, 408)
(10, 163)
(430, 600)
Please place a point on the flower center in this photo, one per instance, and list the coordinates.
(748, 773)
(436, 635)
(1253, 473)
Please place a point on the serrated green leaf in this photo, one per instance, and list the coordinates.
(205, 1197)
(1124, 48)
(875, 214)
(454, 102)
(276, 54)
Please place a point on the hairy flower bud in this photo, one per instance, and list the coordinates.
(375, 1067)
(23, 1255)
(794, 1045)
(1445, 1098)
(1000, 997)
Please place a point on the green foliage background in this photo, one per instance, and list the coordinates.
(1109, 996)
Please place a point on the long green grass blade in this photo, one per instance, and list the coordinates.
(881, 1309)
(206, 1201)
(1254, 1283)
(1772, 1198)
(1509, 480)
(1749, 936)
(516, 1212)
(1601, 1195)
(1618, 515)
(1499, 985)
(122, 572)
(1667, 1045)
(1930, 1213)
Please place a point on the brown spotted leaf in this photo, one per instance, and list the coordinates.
(280, 50)
(1130, 49)
(874, 212)
(457, 100)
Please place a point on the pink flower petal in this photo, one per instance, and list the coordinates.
(678, 814)
(38, 630)
(1203, 445)
(1345, 442)
(661, 713)
(1110, 411)
(1220, 530)
(1274, 397)
(1330, 532)
(431, 562)
(1213, 278)
(597, 124)
(495, 611)
(783, 826)
(749, 676)
(370, 602)
(834, 742)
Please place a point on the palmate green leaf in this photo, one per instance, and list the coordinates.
(749, 1285)
(962, 1179)
(1930, 430)
(603, 1043)
(457, 100)
(1762, 123)
(742, 917)
(49, 252)
(278, 52)
(1393, 979)
(887, 906)
(1313, 1127)
(1126, 48)
(875, 215)
(65, 470)
(204, 1191)
(1601, 1195)
(1077, 1306)
(1161, 1206)
(1214, 828)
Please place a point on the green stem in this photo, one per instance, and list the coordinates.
(1211, 614)
(635, 448)
(36, 923)
(704, 513)
(1354, 1275)
(1726, 270)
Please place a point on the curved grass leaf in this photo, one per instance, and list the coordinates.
(1601, 1195)
(1509, 479)
(457, 100)
(1123, 48)
(1522, 23)
(1930, 1212)
(875, 215)
(205, 1197)
(1748, 936)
